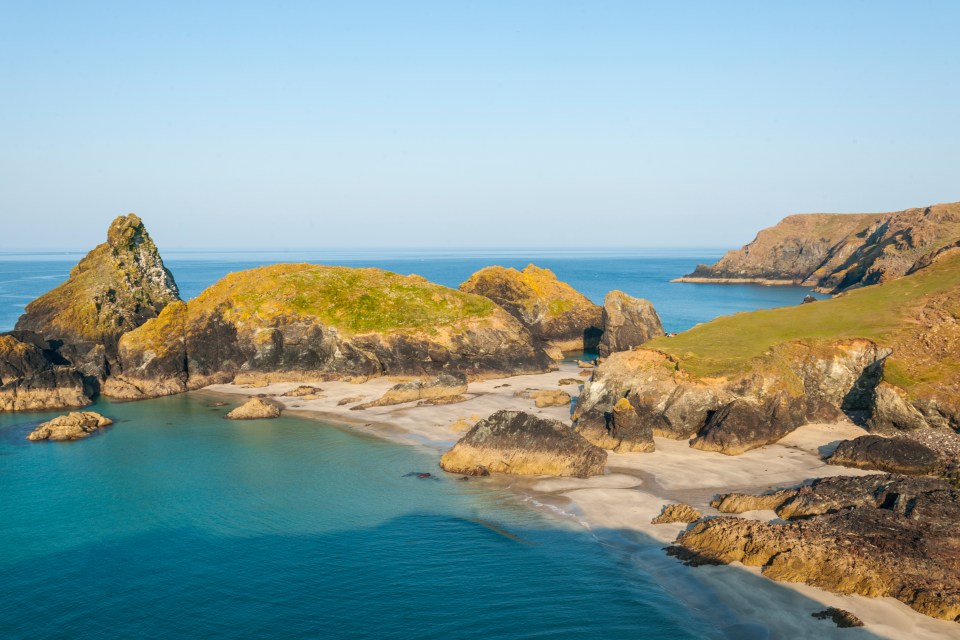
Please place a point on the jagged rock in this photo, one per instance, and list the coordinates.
(553, 311)
(117, 287)
(840, 617)
(743, 502)
(303, 321)
(893, 455)
(628, 322)
(807, 299)
(254, 409)
(32, 378)
(519, 443)
(743, 425)
(677, 513)
(73, 426)
(623, 430)
(445, 385)
(303, 391)
(878, 536)
(890, 411)
(349, 400)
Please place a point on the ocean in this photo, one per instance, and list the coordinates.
(174, 523)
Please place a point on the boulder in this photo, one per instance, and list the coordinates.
(73, 426)
(445, 385)
(553, 311)
(840, 617)
(546, 397)
(303, 391)
(254, 409)
(877, 536)
(677, 513)
(628, 322)
(520, 443)
(743, 425)
(893, 455)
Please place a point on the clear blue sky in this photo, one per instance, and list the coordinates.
(363, 124)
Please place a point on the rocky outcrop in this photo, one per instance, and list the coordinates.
(681, 512)
(621, 429)
(878, 536)
(446, 385)
(893, 455)
(303, 391)
(553, 311)
(304, 321)
(837, 252)
(73, 426)
(254, 409)
(840, 617)
(519, 443)
(628, 322)
(793, 384)
(546, 397)
(114, 289)
(33, 377)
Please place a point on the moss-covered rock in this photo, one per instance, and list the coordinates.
(297, 319)
(552, 310)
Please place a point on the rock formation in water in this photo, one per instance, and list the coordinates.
(519, 443)
(114, 289)
(254, 409)
(445, 385)
(681, 512)
(628, 322)
(299, 321)
(837, 252)
(877, 536)
(553, 311)
(73, 426)
(33, 377)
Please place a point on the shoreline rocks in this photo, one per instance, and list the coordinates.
(254, 409)
(433, 391)
(515, 442)
(73, 426)
(627, 322)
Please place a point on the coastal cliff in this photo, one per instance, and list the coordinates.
(554, 312)
(298, 321)
(839, 252)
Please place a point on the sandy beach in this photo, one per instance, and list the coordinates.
(618, 506)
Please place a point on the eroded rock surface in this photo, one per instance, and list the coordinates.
(33, 377)
(681, 512)
(73, 426)
(519, 443)
(628, 322)
(254, 409)
(444, 386)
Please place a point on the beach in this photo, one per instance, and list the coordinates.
(617, 507)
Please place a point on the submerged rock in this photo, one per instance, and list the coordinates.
(254, 409)
(877, 535)
(840, 617)
(553, 311)
(520, 443)
(73, 426)
(628, 322)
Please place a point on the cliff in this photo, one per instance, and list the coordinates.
(553, 311)
(838, 252)
(115, 288)
(888, 355)
(289, 321)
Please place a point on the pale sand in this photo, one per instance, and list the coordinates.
(617, 507)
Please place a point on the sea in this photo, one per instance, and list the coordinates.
(174, 523)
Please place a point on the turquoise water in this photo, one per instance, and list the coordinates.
(175, 523)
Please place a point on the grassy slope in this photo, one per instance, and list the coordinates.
(353, 300)
(884, 313)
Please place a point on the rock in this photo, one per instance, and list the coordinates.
(519, 443)
(677, 513)
(838, 252)
(567, 381)
(303, 321)
(627, 323)
(546, 397)
(893, 455)
(254, 409)
(73, 426)
(349, 400)
(583, 364)
(33, 378)
(742, 425)
(585, 373)
(891, 412)
(621, 430)
(840, 617)
(743, 502)
(807, 299)
(445, 385)
(433, 402)
(877, 535)
(117, 287)
(303, 391)
(553, 311)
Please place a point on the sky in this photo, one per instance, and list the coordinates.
(469, 124)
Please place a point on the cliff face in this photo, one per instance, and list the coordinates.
(292, 320)
(553, 311)
(114, 289)
(837, 252)
(628, 322)
(33, 377)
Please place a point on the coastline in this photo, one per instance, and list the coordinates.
(618, 506)
(767, 282)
